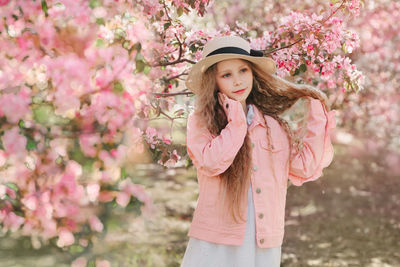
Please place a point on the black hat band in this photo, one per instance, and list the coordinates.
(236, 50)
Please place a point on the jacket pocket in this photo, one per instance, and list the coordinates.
(276, 146)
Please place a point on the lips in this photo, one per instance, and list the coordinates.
(240, 91)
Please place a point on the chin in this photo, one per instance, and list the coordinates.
(241, 97)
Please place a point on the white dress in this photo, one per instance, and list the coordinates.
(200, 253)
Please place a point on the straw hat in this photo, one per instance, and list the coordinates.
(226, 47)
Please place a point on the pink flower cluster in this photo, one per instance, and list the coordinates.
(320, 43)
(160, 143)
(66, 101)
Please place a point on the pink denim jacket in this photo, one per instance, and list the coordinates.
(212, 155)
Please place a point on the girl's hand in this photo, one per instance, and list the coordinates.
(223, 101)
(231, 107)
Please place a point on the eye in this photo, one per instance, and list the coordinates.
(244, 69)
(224, 76)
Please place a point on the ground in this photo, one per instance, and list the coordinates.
(348, 217)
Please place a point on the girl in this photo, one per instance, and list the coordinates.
(245, 154)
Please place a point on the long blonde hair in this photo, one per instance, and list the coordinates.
(272, 95)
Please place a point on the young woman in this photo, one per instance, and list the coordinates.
(245, 153)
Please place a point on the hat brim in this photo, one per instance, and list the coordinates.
(193, 81)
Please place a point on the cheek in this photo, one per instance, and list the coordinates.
(250, 78)
(223, 87)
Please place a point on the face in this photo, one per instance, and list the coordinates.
(235, 79)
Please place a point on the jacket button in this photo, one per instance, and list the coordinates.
(258, 190)
(262, 240)
(261, 216)
(254, 168)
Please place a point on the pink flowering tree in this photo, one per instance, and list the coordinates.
(373, 115)
(74, 97)
(82, 81)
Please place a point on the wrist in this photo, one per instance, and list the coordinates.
(234, 111)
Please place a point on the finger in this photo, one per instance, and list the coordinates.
(223, 97)
(221, 102)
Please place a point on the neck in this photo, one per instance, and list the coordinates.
(244, 105)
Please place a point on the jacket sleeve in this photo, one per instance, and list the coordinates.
(317, 152)
(213, 155)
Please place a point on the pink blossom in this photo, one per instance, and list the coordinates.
(88, 142)
(13, 142)
(123, 199)
(12, 221)
(2, 191)
(59, 146)
(93, 191)
(106, 196)
(15, 107)
(66, 186)
(30, 201)
(79, 262)
(65, 238)
(4, 2)
(2, 158)
(66, 101)
(95, 224)
(166, 140)
(170, 163)
(393, 162)
(83, 242)
(11, 193)
(102, 263)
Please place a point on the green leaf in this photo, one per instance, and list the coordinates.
(119, 33)
(94, 3)
(75, 249)
(140, 65)
(12, 186)
(125, 45)
(296, 72)
(124, 174)
(42, 113)
(118, 88)
(45, 8)
(180, 11)
(147, 70)
(77, 155)
(344, 48)
(100, 21)
(100, 43)
(30, 144)
(166, 25)
(138, 46)
(303, 68)
(37, 99)
(139, 56)
(91, 263)
(192, 48)
(21, 123)
(59, 160)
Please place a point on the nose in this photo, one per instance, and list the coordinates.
(237, 81)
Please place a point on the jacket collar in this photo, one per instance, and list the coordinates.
(257, 118)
